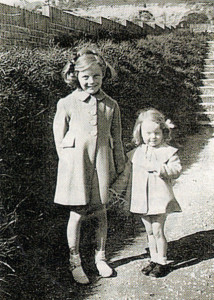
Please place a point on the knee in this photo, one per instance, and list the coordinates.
(75, 217)
(158, 233)
(149, 229)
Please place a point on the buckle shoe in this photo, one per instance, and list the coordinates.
(146, 270)
(160, 270)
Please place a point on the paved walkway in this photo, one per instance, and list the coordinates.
(190, 235)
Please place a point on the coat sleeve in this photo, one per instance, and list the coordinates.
(60, 125)
(116, 132)
(172, 168)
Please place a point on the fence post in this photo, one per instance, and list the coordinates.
(158, 29)
(134, 29)
(148, 29)
(23, 16)
(167, 29)
(46, 10)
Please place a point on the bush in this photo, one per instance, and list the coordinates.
(160, 71)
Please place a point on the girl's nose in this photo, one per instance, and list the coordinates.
(91, 79)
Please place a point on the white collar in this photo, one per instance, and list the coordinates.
(83, 96)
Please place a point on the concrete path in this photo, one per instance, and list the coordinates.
(190, 235)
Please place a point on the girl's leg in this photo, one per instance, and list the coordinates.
(101, 237)
(161, 268)
(147, 221)
(158, 222)
(73, 231)
(101, 231)
(73, 236)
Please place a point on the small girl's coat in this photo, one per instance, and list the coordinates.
(150, 193)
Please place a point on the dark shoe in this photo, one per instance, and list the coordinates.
(160, 271)
(148, 268)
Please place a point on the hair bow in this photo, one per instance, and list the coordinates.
(169, 124)
(72, 61)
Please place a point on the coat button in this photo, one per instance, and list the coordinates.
(93, 112)
(93, 122)
(93, 132)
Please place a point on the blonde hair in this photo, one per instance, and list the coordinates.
(81, 61)
(153, 115)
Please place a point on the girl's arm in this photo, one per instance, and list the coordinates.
(116, 132)
(171, 169)
(60, 125)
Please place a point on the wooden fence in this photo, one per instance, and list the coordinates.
(20, 26)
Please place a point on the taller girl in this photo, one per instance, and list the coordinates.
(87, 132)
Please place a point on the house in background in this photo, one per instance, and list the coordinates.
(198, 22)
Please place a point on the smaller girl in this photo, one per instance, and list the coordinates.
(153, 165)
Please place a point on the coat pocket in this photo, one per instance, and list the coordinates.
(68, 141)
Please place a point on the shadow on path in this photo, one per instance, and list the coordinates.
(191, 249)
(185, 252)
(127, 260)
(192, 147)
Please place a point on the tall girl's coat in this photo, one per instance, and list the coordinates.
(87, 133)
(150, 193)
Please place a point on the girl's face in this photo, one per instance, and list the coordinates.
(91, 79)
(152, 134)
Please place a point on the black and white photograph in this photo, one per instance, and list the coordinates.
(107, 149)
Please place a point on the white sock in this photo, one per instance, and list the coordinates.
(162, 260)
(154, 258)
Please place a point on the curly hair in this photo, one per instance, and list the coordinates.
(153, 115)
(81, 61)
